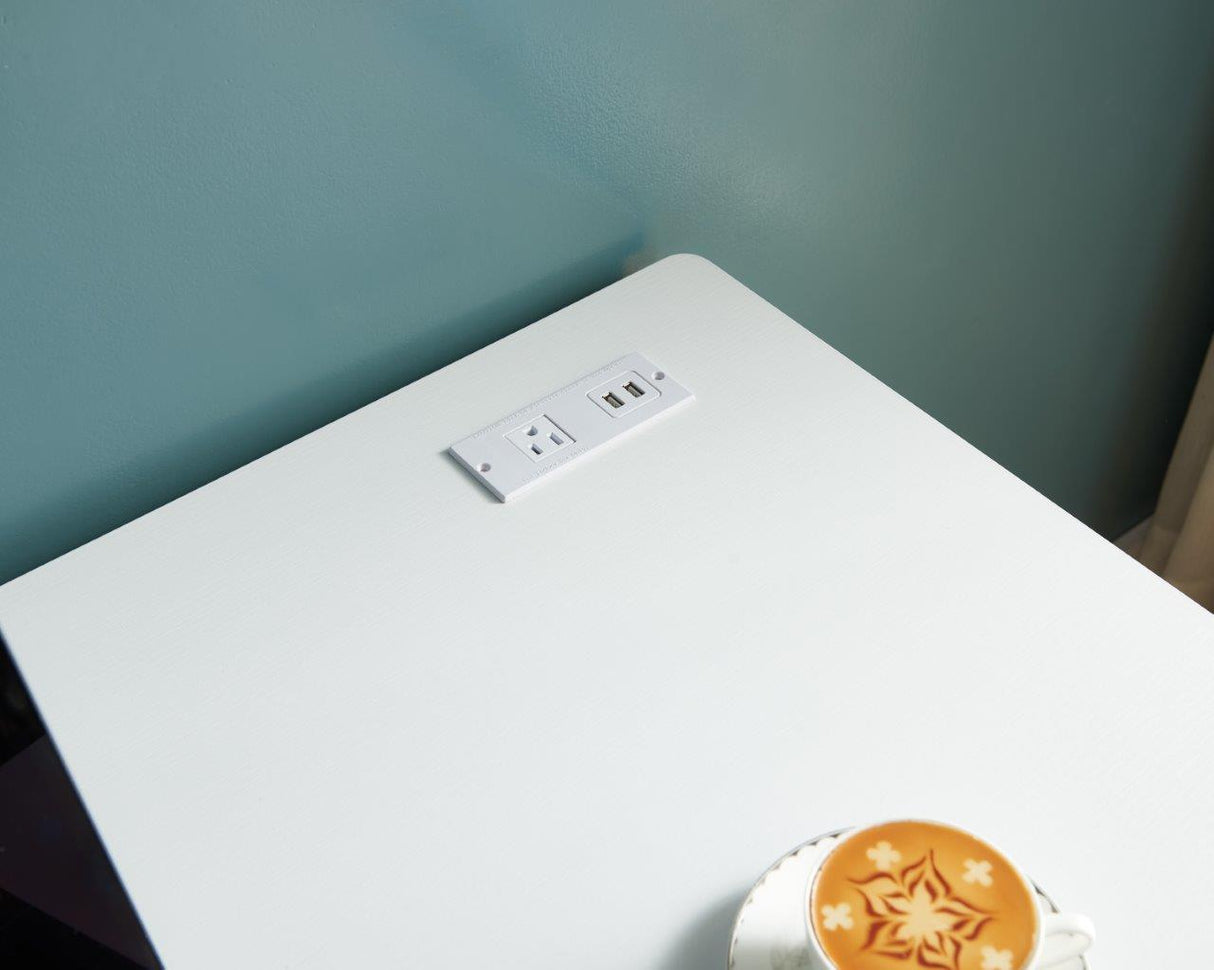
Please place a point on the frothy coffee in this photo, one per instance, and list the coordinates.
(921, 894)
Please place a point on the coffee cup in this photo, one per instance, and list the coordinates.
(917, 894)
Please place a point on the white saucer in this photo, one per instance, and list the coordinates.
(771, 933)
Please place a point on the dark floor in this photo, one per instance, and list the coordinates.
(20, 725)
(31, 938)
(61, 903)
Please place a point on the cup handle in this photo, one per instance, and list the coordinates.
(1066, 936)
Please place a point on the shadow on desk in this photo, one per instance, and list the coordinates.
(704, 945)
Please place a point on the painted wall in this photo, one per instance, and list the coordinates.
(225, 223)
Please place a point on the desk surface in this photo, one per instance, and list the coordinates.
(341, 708)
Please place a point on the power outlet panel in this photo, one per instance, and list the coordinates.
(516, 453)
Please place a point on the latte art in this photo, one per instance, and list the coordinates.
(921, 894)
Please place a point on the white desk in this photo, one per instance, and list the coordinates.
(343, 709)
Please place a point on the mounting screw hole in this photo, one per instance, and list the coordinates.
(483, 467)
(659, 375)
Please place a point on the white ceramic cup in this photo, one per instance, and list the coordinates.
(1059, 937)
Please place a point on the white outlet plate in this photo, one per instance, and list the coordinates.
(583, 417)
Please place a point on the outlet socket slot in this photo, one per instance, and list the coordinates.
(540, 438)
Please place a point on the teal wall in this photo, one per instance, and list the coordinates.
(225, 223)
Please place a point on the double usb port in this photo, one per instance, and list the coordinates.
(631, 388)
(626, 393)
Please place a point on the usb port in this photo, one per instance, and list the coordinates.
(624, 393)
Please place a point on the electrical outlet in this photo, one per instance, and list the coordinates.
(515, 453)
(624, 394)
(539, 438)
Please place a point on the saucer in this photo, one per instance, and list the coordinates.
(771, 932)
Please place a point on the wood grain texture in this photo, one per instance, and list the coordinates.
(342, 708)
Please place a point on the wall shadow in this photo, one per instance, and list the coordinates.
(1174, 342)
